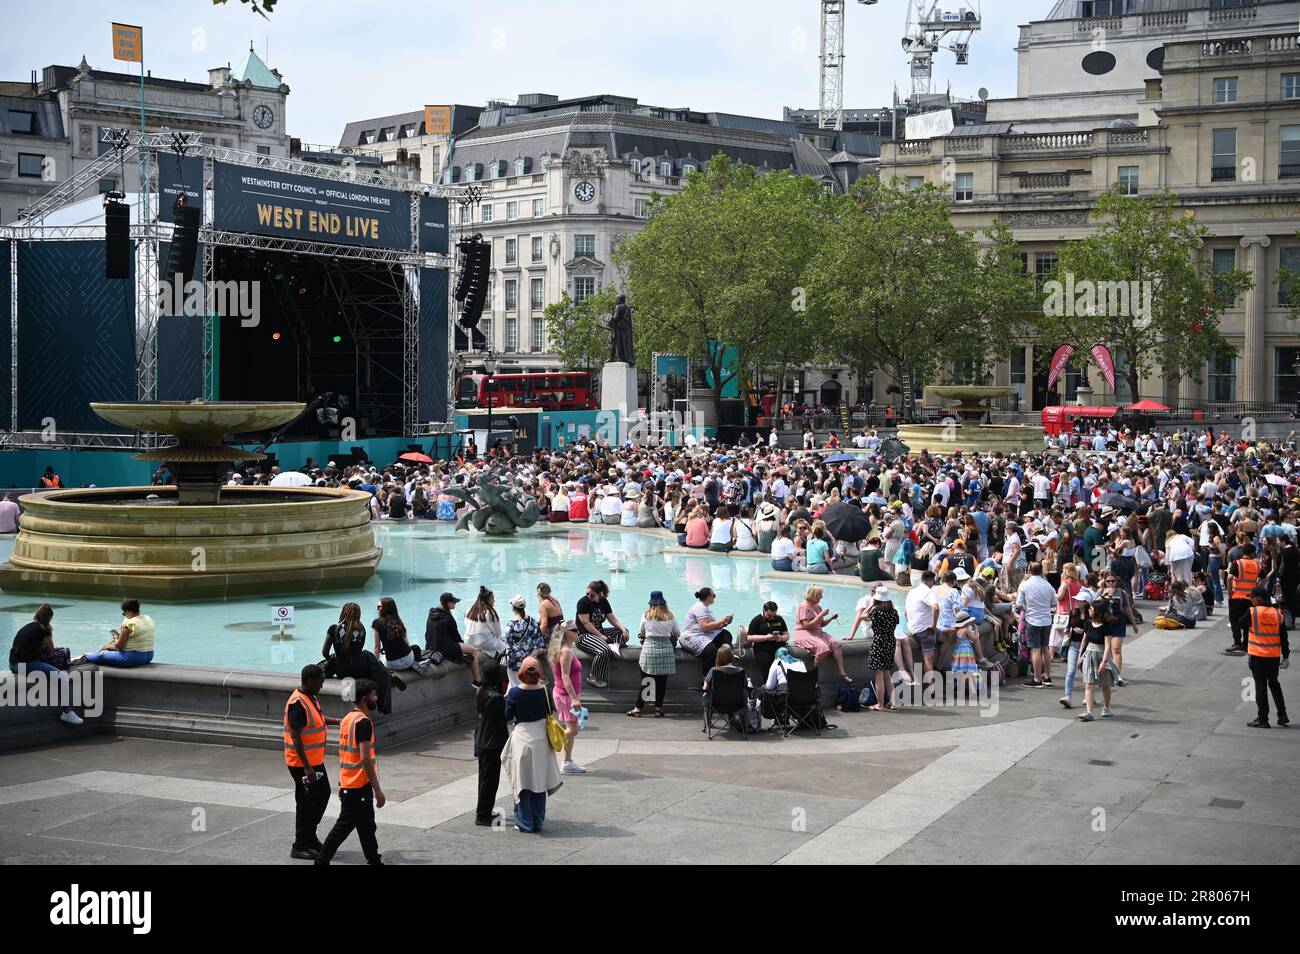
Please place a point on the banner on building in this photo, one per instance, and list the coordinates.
(433, 225)
(1101, 354)
(437, 120)
(1059, 361)
(128, 43)
(265, 202)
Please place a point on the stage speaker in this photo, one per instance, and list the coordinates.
(478, 267)
(462, 339)
(462, 280)
(117, 240)
(184, 246)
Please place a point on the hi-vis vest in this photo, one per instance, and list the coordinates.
(1265, 632)
(313, 733)
(351, 772)
(1245, 577)
(53, 481)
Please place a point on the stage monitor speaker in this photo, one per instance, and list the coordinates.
(117, 240)
(184, 245)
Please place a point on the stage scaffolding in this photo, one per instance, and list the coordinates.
(148, 235)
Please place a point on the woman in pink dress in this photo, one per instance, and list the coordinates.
(567, 670)
(809, 635)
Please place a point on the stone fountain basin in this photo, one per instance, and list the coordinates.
(199, 421)
(113, 541)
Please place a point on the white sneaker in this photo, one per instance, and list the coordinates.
(71, 718)
(572, 768)
(1105, 712)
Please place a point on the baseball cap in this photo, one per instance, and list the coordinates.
(518, 600)
(989, 572)
(448, 598)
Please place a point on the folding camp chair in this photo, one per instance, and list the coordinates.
(726, 698)
(803, 705)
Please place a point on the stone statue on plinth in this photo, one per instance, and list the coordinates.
(620, 333)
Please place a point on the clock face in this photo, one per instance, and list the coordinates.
(584, 191)
(263, 117)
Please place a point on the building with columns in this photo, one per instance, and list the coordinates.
(1198, 96)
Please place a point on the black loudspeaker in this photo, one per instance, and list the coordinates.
(185, 245)
(462, 280)
(462, 339)
(477, 270)
(117, 240)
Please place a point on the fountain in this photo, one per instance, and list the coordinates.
(196, 540)
(963, 431)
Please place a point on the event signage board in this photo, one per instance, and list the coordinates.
(266, 202)
(176, 175)
(433, 225)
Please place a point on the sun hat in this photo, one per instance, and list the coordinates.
(518, 600)
(961, 573)
(880, 593)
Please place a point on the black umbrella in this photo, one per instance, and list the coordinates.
(1118, 501)
(846, 522)
(1196, 470)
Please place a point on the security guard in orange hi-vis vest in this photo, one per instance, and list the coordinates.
(1243, 576)
(304, 753)
(359, 790)
(1269, 652)
(50, 480)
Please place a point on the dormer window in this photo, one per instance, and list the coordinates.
(388, 133)
(666, 169)
(368, 137)
(410, 131)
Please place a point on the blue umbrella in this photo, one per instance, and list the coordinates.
(840, 459)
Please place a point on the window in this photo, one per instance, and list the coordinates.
(965, 188)
(30, 164)
(1225, 89)
(1104, 8)
(520, 167)
(485, 329)
(642, 208)
(263, 150)
(583, 288)
(1019, 375)
(512, 333)
(388, 133)
(105, 185)
(1222, 260)
(22, 122)
(1128, 180)
(536, 297)
(512, 211)
(537, 248)
(1288, 274)
(410, 131)
(539, 334)
(512, 251)
(1291, 85)
(1286, 386)
(465, 215)
(1222, 378)
(1225, 156)
(368, 137)
(1289, 153)
(666, 169)
(487, 212)
(539, 208)
(915, 182)
(1045, 264)
(584, 246)
(512, 295)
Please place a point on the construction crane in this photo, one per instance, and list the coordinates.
(830, 105)
(928, 26)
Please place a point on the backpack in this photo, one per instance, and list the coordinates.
(848, 700)
(868, 695)
(748, 719)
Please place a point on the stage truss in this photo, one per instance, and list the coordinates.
(149, 234)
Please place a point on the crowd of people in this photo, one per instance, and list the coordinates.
(983, 566)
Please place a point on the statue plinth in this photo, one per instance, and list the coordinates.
(618, 388)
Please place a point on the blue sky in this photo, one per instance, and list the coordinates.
(350, 59)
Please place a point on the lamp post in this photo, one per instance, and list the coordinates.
(489, 368)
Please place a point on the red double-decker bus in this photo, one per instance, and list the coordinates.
(554, 391)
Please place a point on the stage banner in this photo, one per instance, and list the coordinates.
(304, 207)
(1059, 361)
(1101, 354)
(431, 395)
(76, 336)
(672, 380)
(6, 316)
(177, 175)
(433, 225)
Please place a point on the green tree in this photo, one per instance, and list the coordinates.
(577, 331)
(901, 288)
(723, 261)
(1141, 285)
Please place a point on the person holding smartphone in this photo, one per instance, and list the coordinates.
(703, 633)
(810, 634)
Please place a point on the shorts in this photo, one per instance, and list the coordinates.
(927, 638)
(1037, 637)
